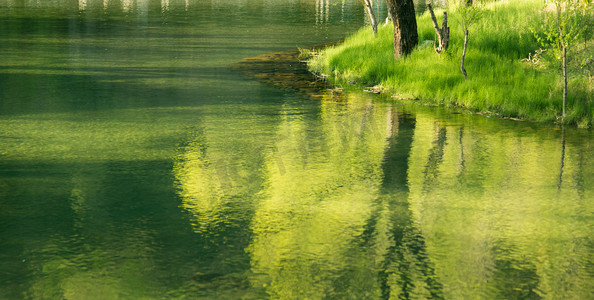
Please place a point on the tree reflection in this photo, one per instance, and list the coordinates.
(407, 271)
(435, 158)
(218, 175)
(562, 164)
(337, 224)
(316, 205)
(488, 203)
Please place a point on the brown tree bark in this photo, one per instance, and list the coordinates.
(443, 34)
(564, 80)
(462, 69)
(403, 17)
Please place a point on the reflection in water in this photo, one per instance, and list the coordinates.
(435, 158)
(514, 277)
(76, 239)
(343, 198)
(127, 5)
(322, 9)
(125, 174)
(461, 136)
(217, 177)
(408, 272)
(201, 187)
(339, 225)
(310, 217)
(560, 181)
(487, 230)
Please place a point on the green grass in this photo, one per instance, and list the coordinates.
(499, 81)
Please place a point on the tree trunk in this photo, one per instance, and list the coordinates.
(369, 9)
(564, 80)
(464, 53)
(403, 16)
(443, 34)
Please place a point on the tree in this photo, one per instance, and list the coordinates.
(443, 34)
(402, 13)
(563, 26)
(369, 10)
(468, 14)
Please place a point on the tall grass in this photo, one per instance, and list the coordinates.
(499, 81)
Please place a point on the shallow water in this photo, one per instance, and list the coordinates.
(135, 163)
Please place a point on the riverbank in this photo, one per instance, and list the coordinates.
(507, 76)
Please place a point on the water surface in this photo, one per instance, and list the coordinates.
(135, 163)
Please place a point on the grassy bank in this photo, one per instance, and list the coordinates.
(500, 78)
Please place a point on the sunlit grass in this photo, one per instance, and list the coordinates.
(499, 81)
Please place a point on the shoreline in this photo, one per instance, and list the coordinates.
(506, 78)
(288, 70)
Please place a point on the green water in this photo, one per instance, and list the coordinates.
(134, 163)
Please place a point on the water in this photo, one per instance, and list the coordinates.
(134, 163)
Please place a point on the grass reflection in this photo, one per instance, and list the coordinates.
(494, 223)
(147, 180)
(338, 224)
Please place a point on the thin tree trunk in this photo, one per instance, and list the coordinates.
(369, 9)
(434, 19)
(564, 80)
(403, 16)
(443, 34)
(464, 53)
